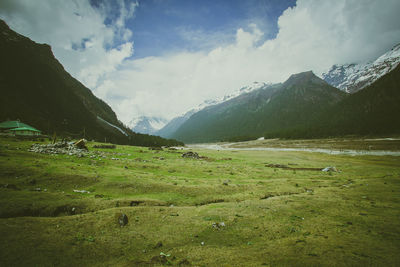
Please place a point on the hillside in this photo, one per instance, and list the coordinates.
(375, 110)
(36, 89)
(278, 107)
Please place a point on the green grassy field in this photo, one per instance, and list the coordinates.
(272, 216)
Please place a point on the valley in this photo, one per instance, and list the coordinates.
(225, 208)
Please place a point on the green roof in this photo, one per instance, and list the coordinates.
(25, 129)
(13, 124)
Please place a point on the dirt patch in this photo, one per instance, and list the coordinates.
(207, 202)
(285, 167)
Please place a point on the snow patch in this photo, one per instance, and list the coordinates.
(354, 77)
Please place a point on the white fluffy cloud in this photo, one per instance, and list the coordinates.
(76, 31)
(313, 35)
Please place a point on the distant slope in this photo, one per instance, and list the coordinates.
(170, 128)
(354, 77)
(36, 89)
(273, 108)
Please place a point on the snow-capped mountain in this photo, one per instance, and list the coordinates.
(354, 77)
(147, 125)
(176, 122)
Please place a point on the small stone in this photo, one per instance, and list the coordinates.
(123, 219)
(226, 182)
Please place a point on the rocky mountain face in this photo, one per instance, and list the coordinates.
(36, 89)
(354, 77)
(147, 125)
(271, 108)
(172, 126)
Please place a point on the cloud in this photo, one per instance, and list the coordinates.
(77, 32)
(313, 35)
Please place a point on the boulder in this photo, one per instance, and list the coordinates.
(81, 144)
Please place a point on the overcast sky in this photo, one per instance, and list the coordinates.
(164, 57)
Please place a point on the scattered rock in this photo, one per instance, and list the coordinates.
(123, 219)
(190, 154)
(59, 148)
(218, 225)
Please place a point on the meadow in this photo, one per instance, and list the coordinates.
(227, 208)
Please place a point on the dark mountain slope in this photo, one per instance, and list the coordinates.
(375, 110)
(275, 108)
(36, 89)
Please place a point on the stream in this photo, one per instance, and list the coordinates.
(317, 150)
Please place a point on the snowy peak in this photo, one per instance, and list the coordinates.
(241, 91)
(354, 77)
(147, 125)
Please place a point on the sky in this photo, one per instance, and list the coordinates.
(163, 57)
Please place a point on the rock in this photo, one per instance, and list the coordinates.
(329, 169)
(190, 154)
(81, 144)
(226, 182)
(123, 219)
(81, 191)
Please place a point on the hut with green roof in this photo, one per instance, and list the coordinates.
(18, 128)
